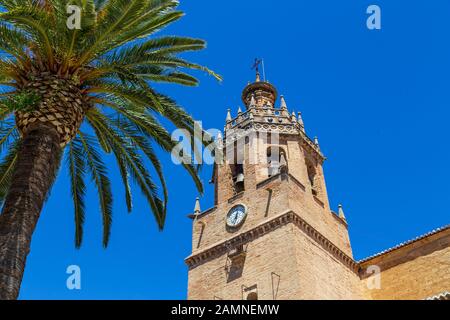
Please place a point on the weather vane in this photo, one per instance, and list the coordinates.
(256, 65)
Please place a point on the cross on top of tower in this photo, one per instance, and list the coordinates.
(256, 68)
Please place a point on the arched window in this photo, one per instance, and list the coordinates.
(237, 171)
(236, 157)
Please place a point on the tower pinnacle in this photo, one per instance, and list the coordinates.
(341, 212)
(300, 122)
(197, 209)
(283, 102)
(228, 119)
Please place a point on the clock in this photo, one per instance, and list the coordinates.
(236, 216)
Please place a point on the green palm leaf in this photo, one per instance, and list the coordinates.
(99, 175)
(77, 169)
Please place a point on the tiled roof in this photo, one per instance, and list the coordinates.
(435, 231)
(441, 296)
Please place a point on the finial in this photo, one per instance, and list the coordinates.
(229, 115)
(316, 141)
(293, 117)
(283, 102)
(341, 212)
(219, 136)
(239, 110)
(197, 209)
(258, 77)
(300, 121)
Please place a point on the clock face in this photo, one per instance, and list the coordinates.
(236, 216)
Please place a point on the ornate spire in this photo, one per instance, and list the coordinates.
(300, 121)
(283, 102)
(197, 209)
(316, 141)
(239, 110)
(229, 115)
(341, 212)
(293, 117)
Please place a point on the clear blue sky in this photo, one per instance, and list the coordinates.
(378, 100)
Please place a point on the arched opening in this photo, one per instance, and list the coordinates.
(237, 165)
(237, 171)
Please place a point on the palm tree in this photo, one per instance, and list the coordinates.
(78, 94)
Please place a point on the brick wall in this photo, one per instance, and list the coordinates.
(416, 271)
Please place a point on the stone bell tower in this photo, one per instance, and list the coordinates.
(271, 234)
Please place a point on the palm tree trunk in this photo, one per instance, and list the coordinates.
(36, 168)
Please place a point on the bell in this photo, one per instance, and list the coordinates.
(240, 178)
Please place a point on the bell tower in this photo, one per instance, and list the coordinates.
(271, 234)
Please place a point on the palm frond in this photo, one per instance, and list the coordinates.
(99, 175)
(77, 169)
(34, 22)
(134, 164)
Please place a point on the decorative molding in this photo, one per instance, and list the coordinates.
(283, 126)
(263, 229)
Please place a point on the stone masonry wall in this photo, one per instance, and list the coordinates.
(416, 271)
